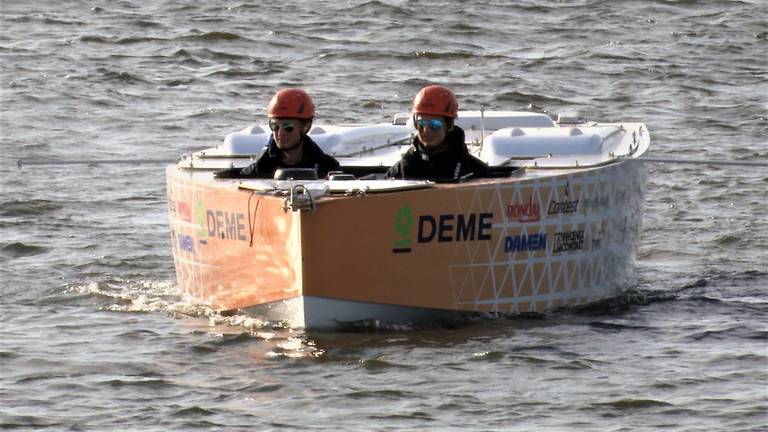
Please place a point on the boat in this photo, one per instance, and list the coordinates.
(557, 223)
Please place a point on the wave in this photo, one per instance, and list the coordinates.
(50, 19)
(18, 250)
(120, 76)
(131, 296)
(432, 55)
(210, 54)
(213, 37)
(379, 8)
(12, 422)
(143, 23)
(194, 411)
(418, 55)
(632, 404)
(731, 292)
(521, 98)
(243, 73)
(155, 384)
(35, 207)
(118, 41)
(727, 333)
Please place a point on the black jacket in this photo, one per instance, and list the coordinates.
(453, 163)
(312, 156)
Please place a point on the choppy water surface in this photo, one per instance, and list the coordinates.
(94, 336)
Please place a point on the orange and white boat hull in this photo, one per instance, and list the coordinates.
(526, 243)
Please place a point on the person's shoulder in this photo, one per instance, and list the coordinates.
(393, 171)
(309, 142)
(411, 154)
(329, 160)
(477, 162)
(457, 133)
(311, 147)
(407, 159)
(263, 165)
(476, 159)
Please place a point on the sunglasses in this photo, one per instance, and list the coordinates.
(286, 127)
(433, 124)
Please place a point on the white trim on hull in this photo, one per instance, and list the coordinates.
(318, 313)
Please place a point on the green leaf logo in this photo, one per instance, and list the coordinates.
(200, 218)
(403, 229)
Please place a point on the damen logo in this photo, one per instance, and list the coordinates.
(525, 243)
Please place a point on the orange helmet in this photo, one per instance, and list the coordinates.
(291, 103)
(436, 100)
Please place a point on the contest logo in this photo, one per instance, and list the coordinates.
(566, 206)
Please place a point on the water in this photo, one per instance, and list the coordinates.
(94, 336)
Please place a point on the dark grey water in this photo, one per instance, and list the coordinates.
(93, 335)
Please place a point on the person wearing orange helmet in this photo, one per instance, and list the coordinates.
(290, 113)
(438, 151)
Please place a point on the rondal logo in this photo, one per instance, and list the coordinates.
(529, 211)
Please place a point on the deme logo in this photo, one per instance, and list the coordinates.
(443, 228)
(218, 224)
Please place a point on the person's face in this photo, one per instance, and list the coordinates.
(287, 132)
(431, 130)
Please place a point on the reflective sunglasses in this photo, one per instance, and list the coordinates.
(287, 127)
(433, 124)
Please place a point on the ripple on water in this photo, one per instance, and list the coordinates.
(632, 404)
(32, 207)
(13, 422)
(18, 250)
